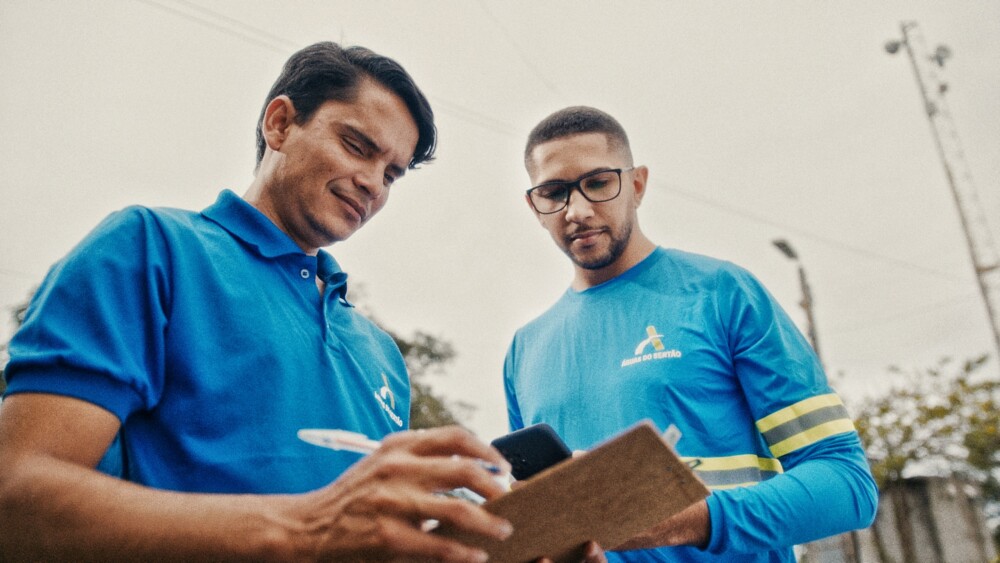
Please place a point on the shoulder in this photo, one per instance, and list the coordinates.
(137, 219)
(699, 263)
(682, 270)
(553, 315)
(145, 232)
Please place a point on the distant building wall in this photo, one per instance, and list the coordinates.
(925, 520)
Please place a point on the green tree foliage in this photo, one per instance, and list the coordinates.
(945, 417)
(18, 314)
(427, 355)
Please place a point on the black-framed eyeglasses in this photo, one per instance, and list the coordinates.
(596, 187)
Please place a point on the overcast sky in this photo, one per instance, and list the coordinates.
(758, 120)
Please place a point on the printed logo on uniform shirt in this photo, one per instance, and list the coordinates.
(387, 399)
(651, 348)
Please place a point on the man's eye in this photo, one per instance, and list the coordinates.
(353, 147)
(387, 180)
(557, 192)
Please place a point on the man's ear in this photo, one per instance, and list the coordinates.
(639, 176)
(279, 116)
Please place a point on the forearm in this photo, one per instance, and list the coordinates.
(690, 526)
(56, 511)
(817, 499)
(829, 492)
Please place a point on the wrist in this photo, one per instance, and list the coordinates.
(693, 526)
(275, 531)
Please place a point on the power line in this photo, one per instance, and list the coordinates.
(813, 236)
(231, 26)
(915, 312)
(246, 32)
(524, 58)
(278, 44)
(475, 118)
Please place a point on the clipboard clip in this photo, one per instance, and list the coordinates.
(671, 436)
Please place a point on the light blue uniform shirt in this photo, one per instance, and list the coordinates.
(696, 342)
(206, 335)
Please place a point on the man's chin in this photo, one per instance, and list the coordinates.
(591, 261)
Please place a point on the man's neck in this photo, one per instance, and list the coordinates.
(637, 250)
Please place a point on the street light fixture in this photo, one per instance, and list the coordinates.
(806, 303)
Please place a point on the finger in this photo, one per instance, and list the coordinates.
(489, 482)
(399, 538)
(435, 474)
(414, 505)
(594, 554)
(465, 516)
(450, 440)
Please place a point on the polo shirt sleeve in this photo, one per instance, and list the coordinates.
(827, 487)
(94, 329)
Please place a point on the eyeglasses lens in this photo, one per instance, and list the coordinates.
(597, 188)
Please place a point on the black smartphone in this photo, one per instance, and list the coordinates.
(531, 450)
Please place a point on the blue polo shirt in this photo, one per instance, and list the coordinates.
(206, 335)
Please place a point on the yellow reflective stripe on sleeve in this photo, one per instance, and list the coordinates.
(735, 462)
(800, 408)
(812, 435)
(734, 471)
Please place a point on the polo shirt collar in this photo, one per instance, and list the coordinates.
(248, 224)
(329, 271)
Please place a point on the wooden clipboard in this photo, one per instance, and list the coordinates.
(618, 489)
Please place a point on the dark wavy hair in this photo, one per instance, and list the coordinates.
(326, 71)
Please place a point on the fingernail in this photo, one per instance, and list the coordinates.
(505, 529)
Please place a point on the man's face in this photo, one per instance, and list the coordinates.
(593, 235)
(333, 172)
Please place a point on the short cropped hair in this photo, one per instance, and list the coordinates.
(574, 121)
(326, 71)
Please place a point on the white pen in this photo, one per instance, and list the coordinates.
(348, 441)
(339, 440)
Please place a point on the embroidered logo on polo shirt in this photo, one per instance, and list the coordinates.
(653, 340)
(387, 399)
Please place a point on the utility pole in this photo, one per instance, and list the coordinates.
(807, 301)
(847, 545)
(983, 251)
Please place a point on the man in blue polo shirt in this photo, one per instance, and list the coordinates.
(646, 332)
(182, 352)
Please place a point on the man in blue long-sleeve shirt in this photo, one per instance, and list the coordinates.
(646, 332)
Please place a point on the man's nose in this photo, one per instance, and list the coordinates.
(578, 208)
(370, 181)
